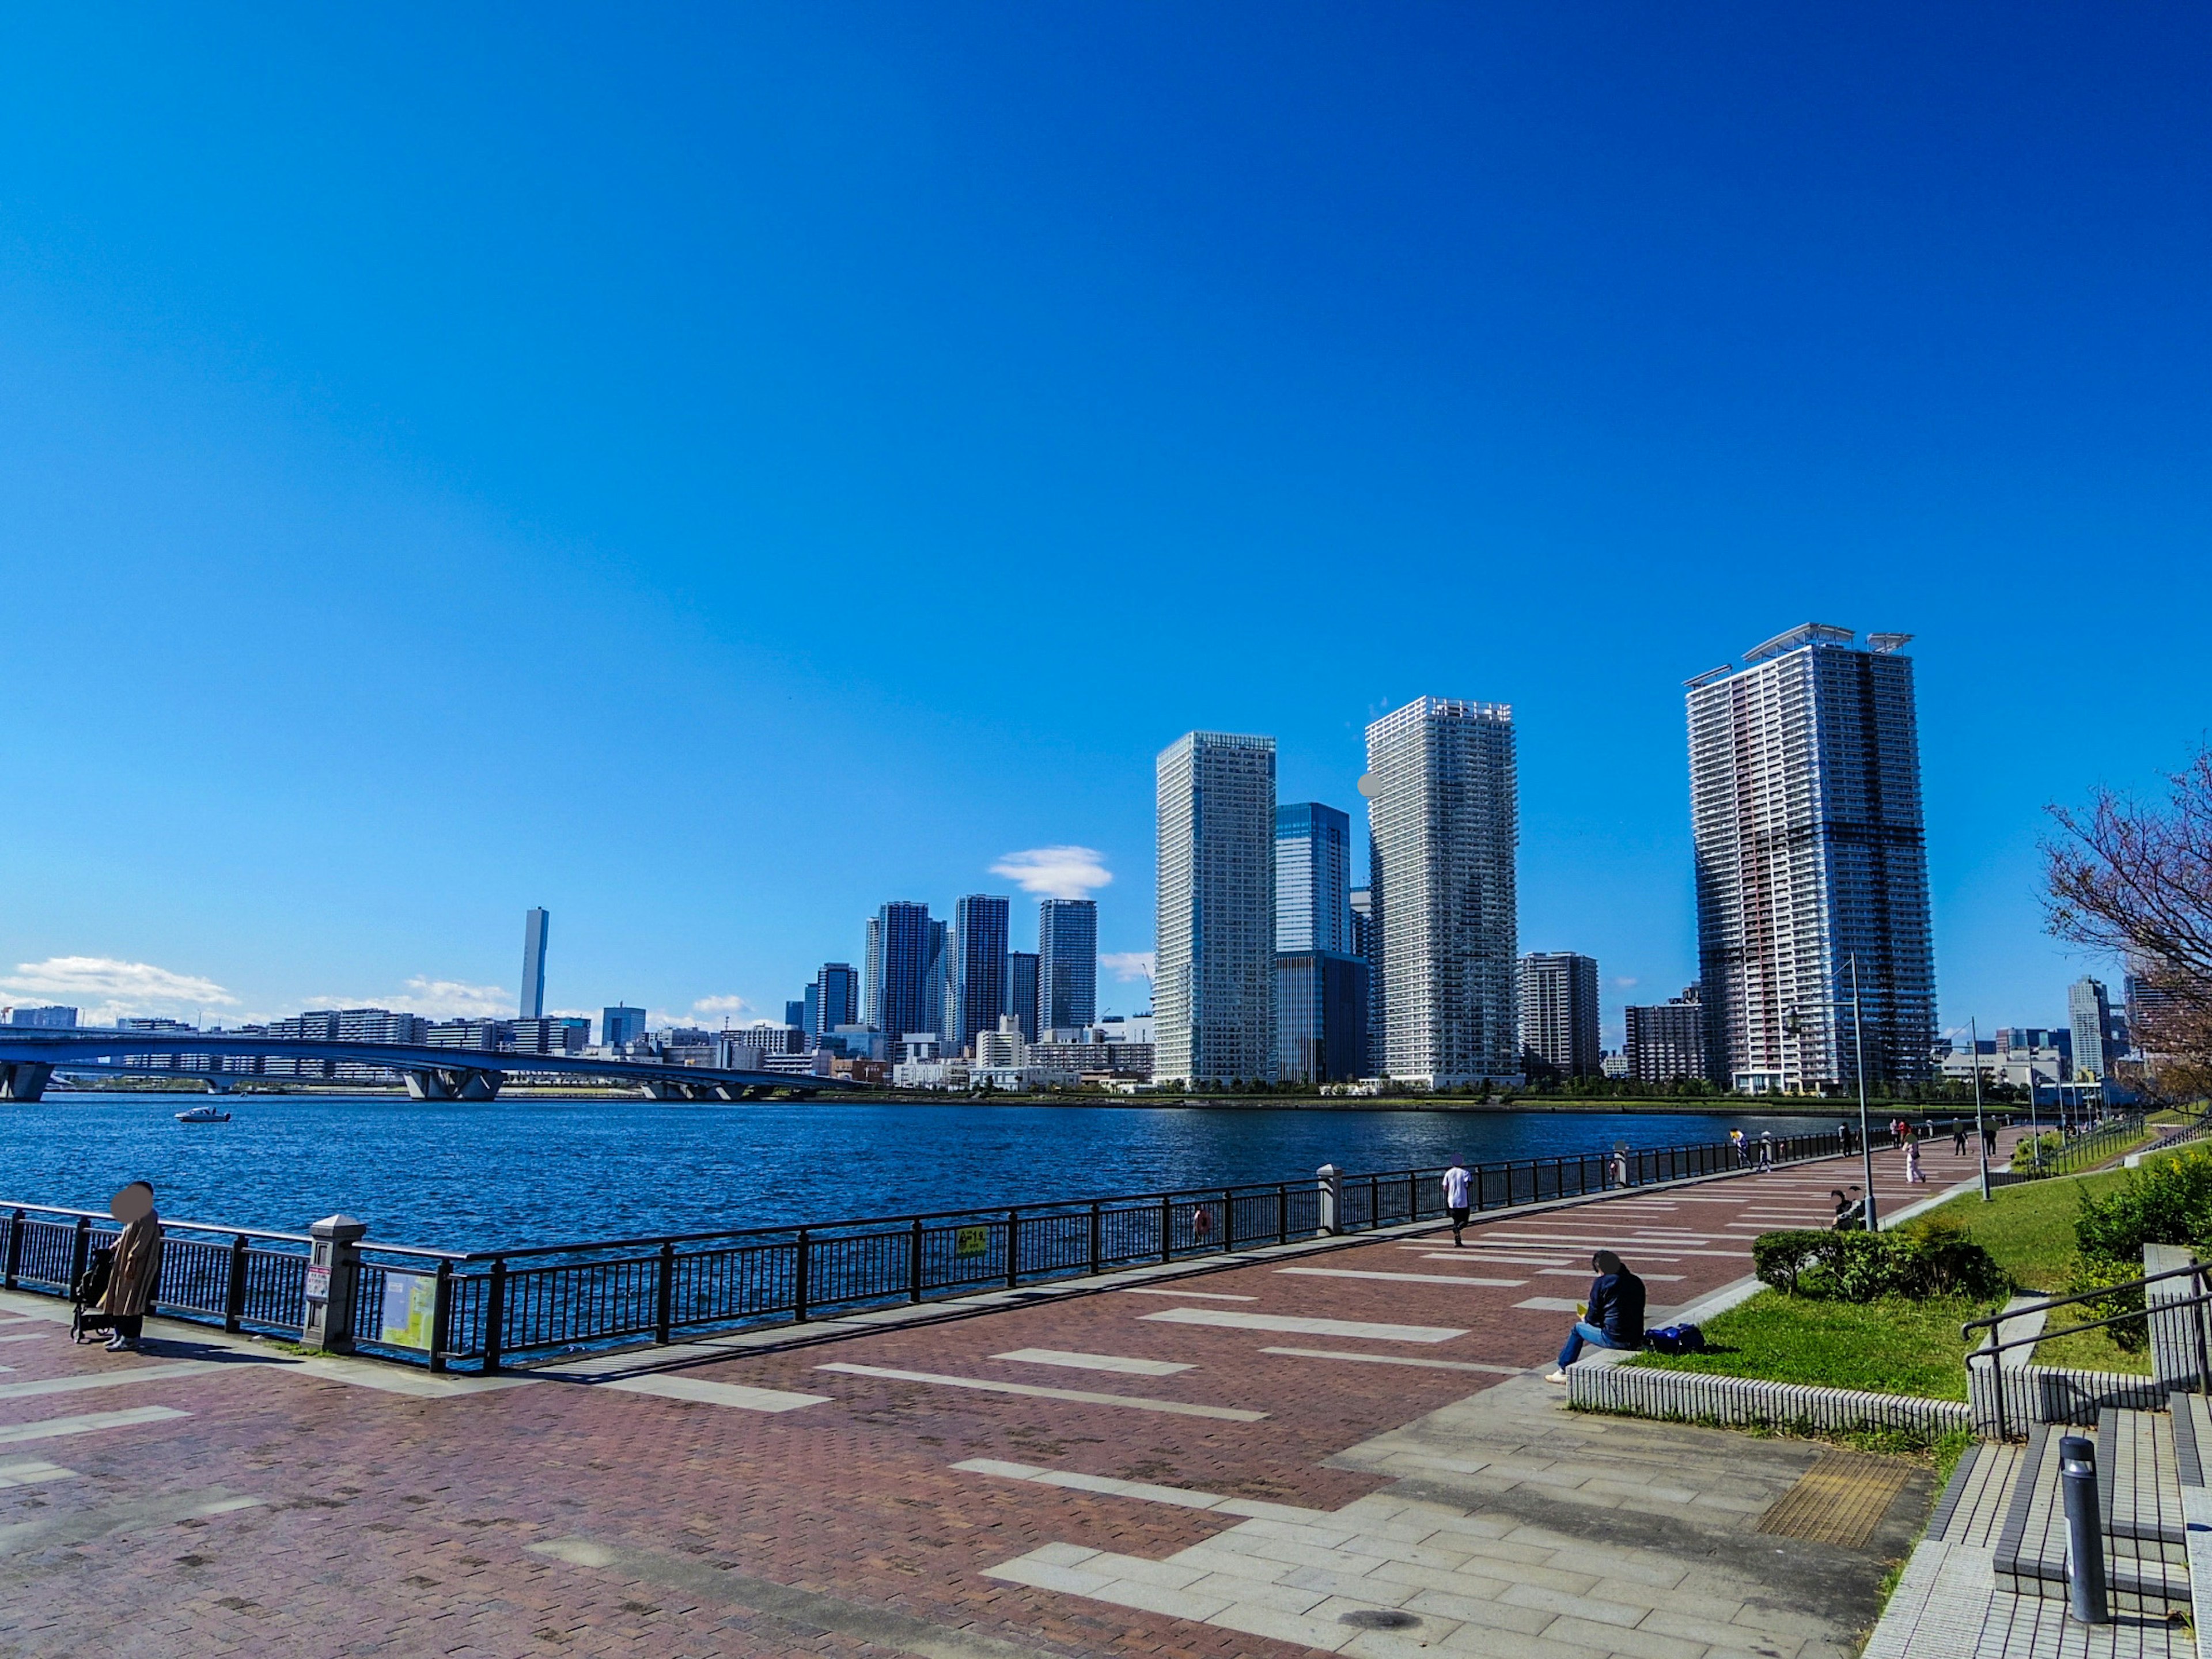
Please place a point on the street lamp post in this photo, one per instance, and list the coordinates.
(1858, 1049)
(1974, 1065)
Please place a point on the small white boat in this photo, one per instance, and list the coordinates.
(202, 1114)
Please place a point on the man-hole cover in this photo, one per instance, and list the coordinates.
(1377, 1619)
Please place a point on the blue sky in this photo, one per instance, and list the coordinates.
(710, 471)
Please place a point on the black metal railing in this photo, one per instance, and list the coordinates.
(483, 1308)
(2195, 1347)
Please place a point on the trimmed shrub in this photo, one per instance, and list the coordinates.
(2024, 1152)
(2167, 1201)
(1937, 1260)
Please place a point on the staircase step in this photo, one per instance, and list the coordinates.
(2145, 1570)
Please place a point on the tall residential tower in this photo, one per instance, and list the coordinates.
(534, 924)
(977, 993)
(1066, 964)
(1213, 1000)
(1805, 814)
(1442, 825)
(1558, 1011)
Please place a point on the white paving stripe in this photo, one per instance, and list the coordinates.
(33, 1473)
(1032, 1390)
(702, 1392)
(89, 1422)
(1549, 1305)
(1400, 1359)
(105, 1379)
(1094, 1361)
(1583, 1272)
(1200, 1296)
(1252, 1509)
(1292, 1325)
(25, 1336)
(1404, 1278)
(1492, 1256)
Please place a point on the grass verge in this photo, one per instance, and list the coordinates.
(1894, 1345)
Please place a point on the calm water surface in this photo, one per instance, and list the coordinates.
(472, 1174)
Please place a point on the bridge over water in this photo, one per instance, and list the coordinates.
(29, 1056)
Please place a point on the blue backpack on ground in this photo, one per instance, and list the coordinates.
(1676, 1339)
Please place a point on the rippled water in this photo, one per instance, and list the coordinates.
(520, 1171)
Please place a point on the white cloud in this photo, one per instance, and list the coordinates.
(710, 1011)
(1068, 873)
(106, 990)
(1626, 983)
(1127, 965)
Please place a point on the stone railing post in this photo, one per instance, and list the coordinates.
(1331, 1180)
(332, 1265)
(2177, 1334)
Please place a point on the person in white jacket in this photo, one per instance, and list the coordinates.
(1456, 1185)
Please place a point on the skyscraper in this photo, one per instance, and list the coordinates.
(1442, 824)
(978, 967)
(621, 1025)
(1068, 963)
(795, 1013)
(1558, 1011)
(1805, 814)
(2089, 1014)
(871, 977)
(1321, 1016)
(1313, 879)
(836, 998)
(533, 963)
(1667, 1040)
(1213, 1001)
(909, 965)
(1022, 991)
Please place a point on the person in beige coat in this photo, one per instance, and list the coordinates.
(137, 1266)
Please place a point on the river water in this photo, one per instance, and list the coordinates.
(521, 1171)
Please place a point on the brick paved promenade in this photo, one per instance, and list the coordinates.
(1273, 1456)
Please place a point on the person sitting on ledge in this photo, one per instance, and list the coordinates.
(1615, 1318)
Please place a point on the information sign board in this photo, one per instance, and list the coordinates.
(972, 1241)
(410, 1302)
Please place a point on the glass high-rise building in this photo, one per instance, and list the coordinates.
(1805, 818)
(1213, 1000)
(1558, 1011)
(1022, 991)
(621, 1025)
(1321, 1016)
(978, 967)
(1068, 963)
(908, 957)
(1443, 827)
(534, 925)
(1313, 879)
(836, 998)
(2090, 1016)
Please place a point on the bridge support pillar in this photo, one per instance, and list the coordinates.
(455, 1083)
(23, 1079)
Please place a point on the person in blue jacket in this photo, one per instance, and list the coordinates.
(1615, 1318)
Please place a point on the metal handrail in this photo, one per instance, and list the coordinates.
(1990, 1349)
(102, 1218)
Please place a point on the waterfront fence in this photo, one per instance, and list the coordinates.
(479, 1310)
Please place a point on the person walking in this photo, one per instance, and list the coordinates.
(1736, 1145)
(1766, 1148)
(1989, 1138)
(1456, 1185)
(1613, 1317)
(137, 1266)
(1958, 1137)
(1913, 1174)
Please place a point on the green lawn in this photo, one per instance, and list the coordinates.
(1893, 1346)
(1902, 1346)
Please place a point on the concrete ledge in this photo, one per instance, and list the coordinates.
(1697, 1397)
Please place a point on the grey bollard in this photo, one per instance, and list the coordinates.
(333, 1264)
(1332, 1198)
(2085, 1529)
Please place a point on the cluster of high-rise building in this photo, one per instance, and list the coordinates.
(1811, 873)
(1814, 949)
(948, 1002)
